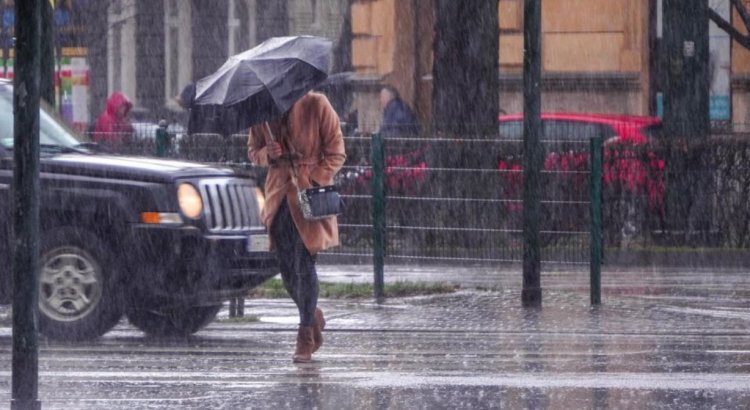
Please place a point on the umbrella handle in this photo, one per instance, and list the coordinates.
(291, 160)
(270, 133)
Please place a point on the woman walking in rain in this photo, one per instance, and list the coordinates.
(305, 142)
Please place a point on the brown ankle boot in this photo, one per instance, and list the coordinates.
(305, 344)
(319, 324)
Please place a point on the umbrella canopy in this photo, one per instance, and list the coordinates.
(259, 84)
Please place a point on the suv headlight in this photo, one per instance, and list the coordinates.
(191, 203)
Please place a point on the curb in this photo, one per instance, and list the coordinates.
(714, 258)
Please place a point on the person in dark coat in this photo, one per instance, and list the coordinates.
(398, 119)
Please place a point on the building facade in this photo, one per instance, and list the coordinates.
(152, 49)
(156, 48)
(597, 56)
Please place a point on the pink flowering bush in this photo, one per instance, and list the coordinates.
(629, 167)
(403, 173)
(636, 170)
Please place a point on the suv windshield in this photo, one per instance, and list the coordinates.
(52, 132)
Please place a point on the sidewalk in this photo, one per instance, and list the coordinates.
(638, 301)
(662, 339)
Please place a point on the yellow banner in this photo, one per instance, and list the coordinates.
(74, 51)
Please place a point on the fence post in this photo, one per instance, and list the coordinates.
(531, 294)
(377, 158)
(596, 220)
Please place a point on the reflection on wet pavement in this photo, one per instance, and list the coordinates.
(661, 340)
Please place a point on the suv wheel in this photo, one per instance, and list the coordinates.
(174, 322)
(78, 298)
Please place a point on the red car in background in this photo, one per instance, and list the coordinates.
(630, 128)
(629, 165)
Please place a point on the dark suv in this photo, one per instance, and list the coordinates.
(163, 242)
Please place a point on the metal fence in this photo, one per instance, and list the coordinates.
(460, 199)
(449, 200)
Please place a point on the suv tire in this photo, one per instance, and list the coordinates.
(78, 295)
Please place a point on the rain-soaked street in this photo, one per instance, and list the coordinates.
(663, 338)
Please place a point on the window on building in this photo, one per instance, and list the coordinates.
(241, 26)
(121, 47)
(178, 46)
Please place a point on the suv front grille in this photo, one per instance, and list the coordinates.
(229, 204)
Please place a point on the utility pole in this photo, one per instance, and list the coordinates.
(531, 295)
(686, 86)
(25, 188)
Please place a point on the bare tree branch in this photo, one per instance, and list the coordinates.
(742, 39)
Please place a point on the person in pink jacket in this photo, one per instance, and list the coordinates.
(113, 128)
(308, 137)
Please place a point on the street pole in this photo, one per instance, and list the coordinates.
(595, 212)
(531, 295)
(25, 363)
(377, 158)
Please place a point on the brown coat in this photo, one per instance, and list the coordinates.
(314, 136)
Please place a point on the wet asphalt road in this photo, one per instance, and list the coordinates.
(663, 339)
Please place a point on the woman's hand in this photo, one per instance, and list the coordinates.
(274, 150)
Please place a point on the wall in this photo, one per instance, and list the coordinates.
(603, 39)
(614, 101)
(373, 30)
(326, 20)
(579, 35)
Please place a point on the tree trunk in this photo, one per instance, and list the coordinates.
(686, 83)
(465, 71)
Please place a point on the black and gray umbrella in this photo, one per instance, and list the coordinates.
(259, 84)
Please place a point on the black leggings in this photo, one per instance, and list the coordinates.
(296, 264)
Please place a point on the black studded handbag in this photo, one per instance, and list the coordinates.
(320, 202)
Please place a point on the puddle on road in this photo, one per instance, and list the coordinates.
(282, 320)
